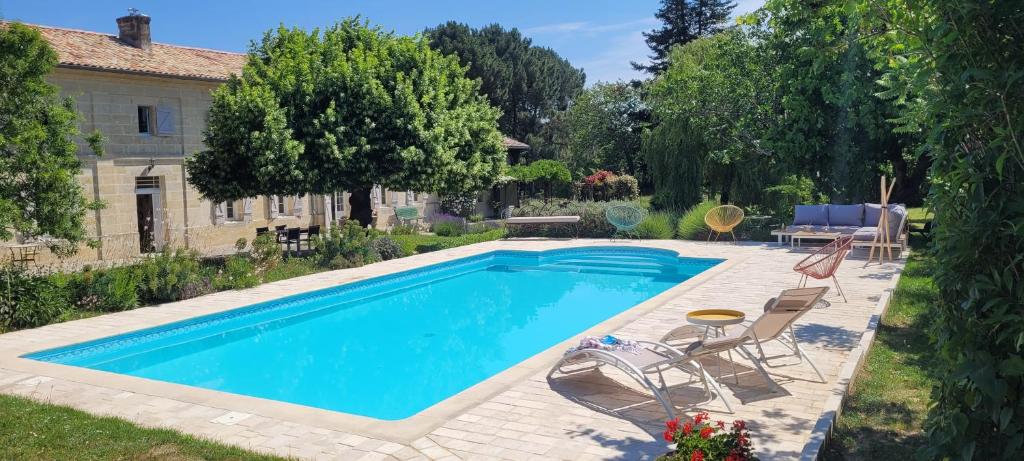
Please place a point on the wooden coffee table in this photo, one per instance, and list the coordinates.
(813, 235)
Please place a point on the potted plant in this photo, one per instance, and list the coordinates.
(702, 440)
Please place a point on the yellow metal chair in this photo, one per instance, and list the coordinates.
(722, 219)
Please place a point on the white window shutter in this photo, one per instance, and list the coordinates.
(218, 212)
(247, 209)
(410, 197)
(297, 206)
(376, 197)
(164, 120)
(272, 202)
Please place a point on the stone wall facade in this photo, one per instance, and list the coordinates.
(144, 168)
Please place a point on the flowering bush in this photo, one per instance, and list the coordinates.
(700, 440)
(605, 185)
(458, 205)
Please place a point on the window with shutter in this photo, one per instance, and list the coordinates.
(247, 210)
(164, 120)
(219, 211)
(297, 203)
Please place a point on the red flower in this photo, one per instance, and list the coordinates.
(721, 425)
(670, 436)
(706, 432)
(672, 425)
(733, 457)
(697, 456)
(701, 417)
(687, 428)
(739, 425)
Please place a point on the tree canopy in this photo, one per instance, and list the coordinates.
(953, 70)
(344, 109)
(527, 82)
(39, 193)
(682, 22)
(601, 131)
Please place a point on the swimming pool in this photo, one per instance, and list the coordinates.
(392, 346)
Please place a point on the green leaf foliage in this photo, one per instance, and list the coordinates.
(691, 224)
(955, 70)
(39, 194)
(682, 22)
(602, 129)
(530, 84)
(676, 154)
(343, 109)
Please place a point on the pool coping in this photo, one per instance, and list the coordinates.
(402, 431)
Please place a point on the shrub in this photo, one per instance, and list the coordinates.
(265, 254)
(238, 272)
(691, 225)
(113, 290)
(344, 246)
(29, 300)
(592, 219)
(404, 229)
(165, 276)
(459, 205)
(386, 248)
(412, 244)
(293, 267)
(657, 226)
(448, 229)
(551, 176)
(605, 185)
(475, 218)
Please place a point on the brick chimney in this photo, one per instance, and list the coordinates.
(134, 29)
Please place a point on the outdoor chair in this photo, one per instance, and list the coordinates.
(625, 218)
(314, 230)
(824, 263)
(722, 219)
(293, 236)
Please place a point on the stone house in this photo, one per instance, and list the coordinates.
(150, 101)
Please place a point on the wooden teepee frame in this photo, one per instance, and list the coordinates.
(883, 241)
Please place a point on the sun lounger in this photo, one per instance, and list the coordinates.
(657, 357)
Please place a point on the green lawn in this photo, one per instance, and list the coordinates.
(36, 431)
(883, 416)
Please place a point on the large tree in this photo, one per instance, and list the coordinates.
(682, 22)
(39, 194)
(602, 131)
(832, 126)
(344, 109)
(720, 89)
(530, 84)
(954, 68)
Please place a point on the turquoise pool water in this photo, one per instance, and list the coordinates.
(391, 346)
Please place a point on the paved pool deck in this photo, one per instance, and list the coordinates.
(518, 414)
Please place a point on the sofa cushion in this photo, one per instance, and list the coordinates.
(896, 214)
(872, 213)
(865, 234)
(845, 230)
(846, 215)
(811, 215)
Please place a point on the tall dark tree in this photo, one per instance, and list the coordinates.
(530, 84)
(683, 21)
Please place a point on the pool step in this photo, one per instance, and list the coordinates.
(606, 263)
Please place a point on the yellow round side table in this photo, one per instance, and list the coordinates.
(716, 320)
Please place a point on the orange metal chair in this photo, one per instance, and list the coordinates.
(824, 263)
(722, 219)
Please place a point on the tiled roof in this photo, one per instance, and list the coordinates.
(515, 144)
(99, 51)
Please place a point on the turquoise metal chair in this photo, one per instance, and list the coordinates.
(625, 218)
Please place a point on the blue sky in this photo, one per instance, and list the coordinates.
(601, 36)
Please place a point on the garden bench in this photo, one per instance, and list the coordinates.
(539, 220)
(407, 214)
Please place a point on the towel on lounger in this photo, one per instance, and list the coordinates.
(607, 343)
